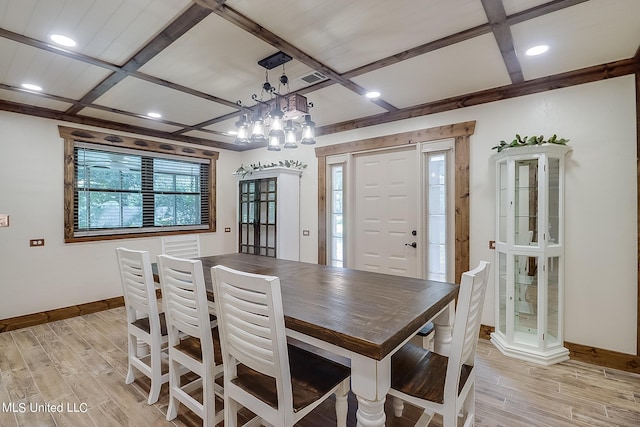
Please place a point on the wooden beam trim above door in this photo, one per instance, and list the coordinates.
(431, 134)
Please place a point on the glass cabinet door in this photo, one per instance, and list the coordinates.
(553, 302)
(503, 200)
(525, 270)
(502, 292)
(553, 202)
(526, 202)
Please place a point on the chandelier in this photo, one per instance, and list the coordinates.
(275, 116)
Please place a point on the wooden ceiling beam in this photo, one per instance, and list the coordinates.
(279, 43)
(106, 124)
(543, 9)
(447, 41)
(28, 41)
(494, 9)
(171, 33)
(572, 78)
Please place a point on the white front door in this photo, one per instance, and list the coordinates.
(386, 206)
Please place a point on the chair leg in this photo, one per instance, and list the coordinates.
(209, 402)
(156, 374)
(230, 412)
(469, 406)
(174, 383)
(131, 347)
(341, 404)
(398, 406)
(450, 418)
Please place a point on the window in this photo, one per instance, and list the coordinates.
(117, 191)
(437, 216)
(336, 232)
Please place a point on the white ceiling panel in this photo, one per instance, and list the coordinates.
(590, 33)
(57, 75)
(346, 35)
(134, 121)
(141, 97)
(217, 57)
(109, 30)
(34, 100)
(464, 67)
(350, 106)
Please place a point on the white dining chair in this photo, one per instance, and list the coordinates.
(144, 321)
(193, 339)
(181, 245)
(441, 384)
(279, 383)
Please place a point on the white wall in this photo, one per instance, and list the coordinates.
(601, 213)
(31, 192)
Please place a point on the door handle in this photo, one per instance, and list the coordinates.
(412, 244)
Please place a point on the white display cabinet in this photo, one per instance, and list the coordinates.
(530, 253)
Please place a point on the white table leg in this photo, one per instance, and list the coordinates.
(443, 323)
(370, 382)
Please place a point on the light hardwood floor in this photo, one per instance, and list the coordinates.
(78, 365)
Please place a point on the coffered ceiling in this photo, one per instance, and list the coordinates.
(192, 61)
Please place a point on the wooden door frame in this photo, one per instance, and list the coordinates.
(460, 132)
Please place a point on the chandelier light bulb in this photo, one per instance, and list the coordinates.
(308, 131)
(274, 144)
(290, 135)
(257, 131)
(243, 130)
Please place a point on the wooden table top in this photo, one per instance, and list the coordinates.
(364, 312)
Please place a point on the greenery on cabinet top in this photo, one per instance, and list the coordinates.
(526, 141)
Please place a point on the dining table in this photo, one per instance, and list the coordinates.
(362, 316)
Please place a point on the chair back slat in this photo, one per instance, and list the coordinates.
(466, 325)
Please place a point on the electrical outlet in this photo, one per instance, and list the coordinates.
(227, 229)
(4, 220)
(36, 242)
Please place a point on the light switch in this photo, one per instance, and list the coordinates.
(4, 220)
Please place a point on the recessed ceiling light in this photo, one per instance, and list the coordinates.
(231, 132)
(537, 50)
(62, 40)
(372, 94)
(30, 86)
(154, 115)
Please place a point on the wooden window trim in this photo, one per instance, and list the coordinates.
(460, 132)
(71, 135)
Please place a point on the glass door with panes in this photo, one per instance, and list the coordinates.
(258, 199)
